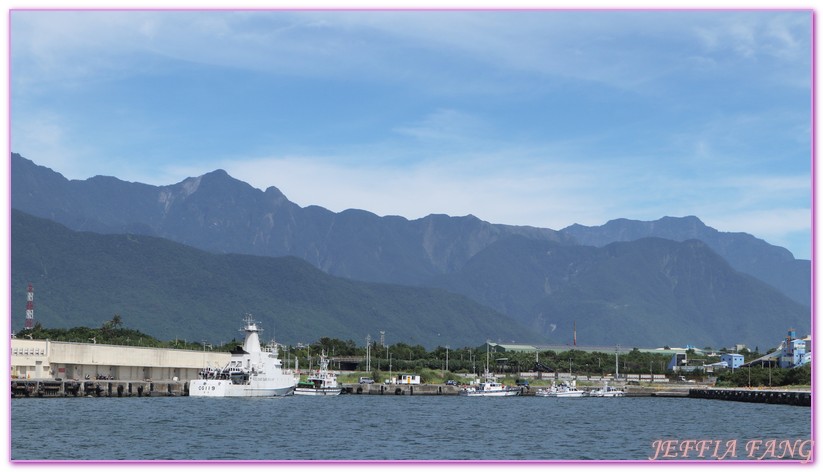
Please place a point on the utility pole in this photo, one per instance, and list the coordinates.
(368, 352)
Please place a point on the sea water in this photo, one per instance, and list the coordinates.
(405, 428)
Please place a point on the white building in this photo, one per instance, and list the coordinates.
(43, 359)
(405, 379)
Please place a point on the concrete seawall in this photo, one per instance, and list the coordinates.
(400, 389)
(171, 388)
(529, 391)
(98, 388)
(782, 397)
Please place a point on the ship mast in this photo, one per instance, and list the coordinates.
(30, 308)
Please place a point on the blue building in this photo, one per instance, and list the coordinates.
(733, 361)
(793, 354)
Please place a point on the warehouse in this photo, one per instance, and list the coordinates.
(44, 359)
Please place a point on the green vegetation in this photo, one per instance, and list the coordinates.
(644, 293)
(112, 332)
(168, 289)
(760, 376)
(431, 365)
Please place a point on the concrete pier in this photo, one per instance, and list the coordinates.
(98, 388)
(49, 388)
(400, 389)
(783, 397)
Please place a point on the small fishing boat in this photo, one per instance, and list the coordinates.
(564, 390)
(490, 387)
(607, 391)
(320, 382)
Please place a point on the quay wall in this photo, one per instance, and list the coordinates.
(44, 388)
(97, 388)
(783, 397)
(400, 389)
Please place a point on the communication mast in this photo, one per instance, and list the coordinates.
(30, 308)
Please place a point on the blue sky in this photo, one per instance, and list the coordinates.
(541, 118)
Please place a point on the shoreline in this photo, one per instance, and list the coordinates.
(48, 388)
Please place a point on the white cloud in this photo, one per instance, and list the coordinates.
(757, 35)
(408, 46)
(446, 125)
(456, 161)
(788, 227)
(46, 137)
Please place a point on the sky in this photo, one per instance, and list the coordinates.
(543, 118)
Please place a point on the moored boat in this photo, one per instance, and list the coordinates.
(320, 382)
(251, 371)
(564, 390)
(607, 391)
(490, 387)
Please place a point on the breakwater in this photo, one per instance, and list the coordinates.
(783, 397)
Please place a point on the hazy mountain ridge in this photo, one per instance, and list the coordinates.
(772, 264)
(647, 292)
(220, 214)
(169, 290)
(542, 278)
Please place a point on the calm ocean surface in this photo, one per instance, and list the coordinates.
(416, 428)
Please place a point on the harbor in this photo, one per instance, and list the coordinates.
(48, 388)
(44, 368)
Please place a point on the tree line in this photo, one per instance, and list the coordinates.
(403, 357)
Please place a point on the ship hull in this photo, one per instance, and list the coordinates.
(318, 391)
(225, 388)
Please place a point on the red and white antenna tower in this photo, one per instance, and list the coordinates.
(30, 308)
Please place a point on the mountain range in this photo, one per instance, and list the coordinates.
(169, 290)
(772, 264)
(636, 283)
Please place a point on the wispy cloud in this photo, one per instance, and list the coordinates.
(447, 125)
(561, 44)
(537, 118)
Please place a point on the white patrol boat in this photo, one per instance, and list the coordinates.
(251, 372)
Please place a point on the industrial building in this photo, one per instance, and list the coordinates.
(44, 359)
(733, 361)
(792, 352)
